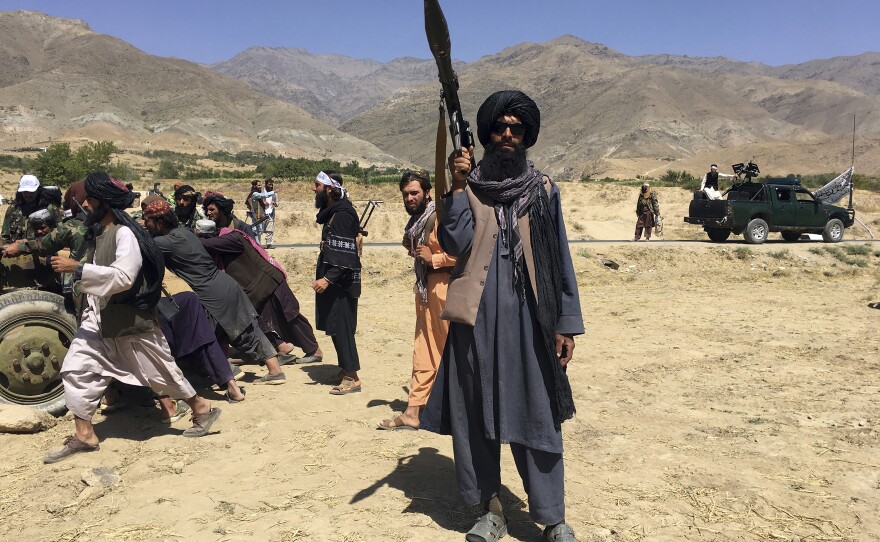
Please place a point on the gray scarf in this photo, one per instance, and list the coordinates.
(513, 197)
(416, 234)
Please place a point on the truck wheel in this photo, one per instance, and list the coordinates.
(719, 235)
(791, 236)
(35, 333)
(756, 231)
(833, 232)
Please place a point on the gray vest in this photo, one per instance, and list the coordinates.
(120, 317)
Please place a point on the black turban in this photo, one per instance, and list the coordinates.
(102, 187)
(512, 102)
(224, 204)
(185, 190)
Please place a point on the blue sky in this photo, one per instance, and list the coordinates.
(770, 31)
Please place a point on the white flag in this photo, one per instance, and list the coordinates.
(836, 189)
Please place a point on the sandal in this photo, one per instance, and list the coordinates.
(488, 528)
(71, 446)
(395, 425)
(229, 398)
(309, 359)
(345, 387)
(180, 410)
(201, 423)
(560, 533)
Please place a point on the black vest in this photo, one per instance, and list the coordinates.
(712, 180)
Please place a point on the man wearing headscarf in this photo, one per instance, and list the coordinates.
(337, 282)
(228, 307)
(514, 310)
(709, 184)
(186, 206)
(432, 268)
(219, 209)
(647, 211)
(119, 337)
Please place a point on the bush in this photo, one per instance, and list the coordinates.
(679, 178)
(742, 252)
(60, 166)
(167, 170)
(857, 250)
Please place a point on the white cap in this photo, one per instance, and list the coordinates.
(205, 226)
(40, 215)
(28, 183)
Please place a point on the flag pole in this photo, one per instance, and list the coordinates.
(852, 165)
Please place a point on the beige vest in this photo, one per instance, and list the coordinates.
(471, 269)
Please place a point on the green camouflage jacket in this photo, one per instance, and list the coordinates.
(16, 226)
(71, 233)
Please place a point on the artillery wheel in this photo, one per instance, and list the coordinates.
(35, 333)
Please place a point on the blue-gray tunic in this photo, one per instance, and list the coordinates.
(491, 379)
(227, 304)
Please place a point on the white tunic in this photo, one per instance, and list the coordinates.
(140, 360)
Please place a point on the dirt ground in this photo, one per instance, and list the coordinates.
(724, 392)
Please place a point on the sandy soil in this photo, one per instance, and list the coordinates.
(724, 392)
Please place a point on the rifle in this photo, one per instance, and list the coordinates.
(372, 205)
(438, 40)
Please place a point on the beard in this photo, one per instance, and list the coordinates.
(498, 164)
(321, 199)
(419, 209)
(185, 212)
(96, 215)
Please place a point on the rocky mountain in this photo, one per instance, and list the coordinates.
(59, 80)
(332, 87)
(604, 112)
(861, 72)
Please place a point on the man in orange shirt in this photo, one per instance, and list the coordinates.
(432, 267)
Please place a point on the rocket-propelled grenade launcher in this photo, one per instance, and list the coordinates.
(438, 40)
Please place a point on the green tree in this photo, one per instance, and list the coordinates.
(56, 166)
(60, 165)
(167, 170)
(95, 156)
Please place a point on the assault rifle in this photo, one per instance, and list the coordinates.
(438, 40)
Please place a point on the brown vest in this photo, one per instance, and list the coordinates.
(120, 317)
(257, 277)
(471, 269)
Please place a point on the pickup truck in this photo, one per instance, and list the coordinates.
(754, 209)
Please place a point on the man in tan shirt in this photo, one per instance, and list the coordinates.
(432, 267)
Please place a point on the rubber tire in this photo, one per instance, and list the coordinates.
(791, 236)
(27, 305)
(833, 232)
(754, 237)
(718, 235)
